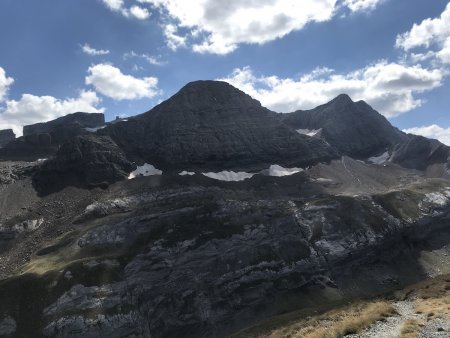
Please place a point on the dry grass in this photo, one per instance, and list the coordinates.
(333, 324)
(410, 329)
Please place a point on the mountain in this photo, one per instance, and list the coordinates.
(354, 128)
(86, 250)
(210, 124)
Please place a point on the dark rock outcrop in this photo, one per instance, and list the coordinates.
(354, 128)
(210, 124)
(42, 140)
(66, 127)
(84, 161)
(6, 136)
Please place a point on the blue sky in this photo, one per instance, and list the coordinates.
(122, 57)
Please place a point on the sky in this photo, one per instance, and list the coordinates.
(122, 57)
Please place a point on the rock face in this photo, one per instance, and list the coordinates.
(6, 136)
(190, 259)
(419, 152)
(43, 139)
(214, 125)
(354, 128)
(66, 127)
(87, 161)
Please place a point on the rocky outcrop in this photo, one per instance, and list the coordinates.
(42, 140)
(419, 152)
(6, 136)
(210, 124)
(198, 261)
(85, 161)
(354, 128)
(67, 126)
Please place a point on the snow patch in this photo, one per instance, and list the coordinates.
(145, 170)
(278, 171)
(187, 173)
(27, 226)
(309, 132)
(93, 130)
(229, 176)
(379, 159)
(438, 198)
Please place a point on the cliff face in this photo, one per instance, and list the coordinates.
(6, 136)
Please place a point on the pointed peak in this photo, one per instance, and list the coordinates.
(342, 98)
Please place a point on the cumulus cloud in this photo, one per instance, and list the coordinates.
(92, 51)
(139, 12)
(431, 34)
(132, 12)
(32, 109)
(110, 81)
(362, 5)
(433, 131)
(5, 83)
(388, 87)
(220, 26)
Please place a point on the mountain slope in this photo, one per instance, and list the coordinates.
(354, 128)
(212, 124)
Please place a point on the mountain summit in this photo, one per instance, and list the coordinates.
(354, 128)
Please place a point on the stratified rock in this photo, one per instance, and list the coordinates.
(87, 161)
(354, 128)
(211, 124)
(6, 136)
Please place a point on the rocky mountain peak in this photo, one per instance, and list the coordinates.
(199, 96)
(354, 128)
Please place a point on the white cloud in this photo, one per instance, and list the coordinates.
(114, 5)
(388, 87)
(153, 60)
(92, 51)
(433, 131)
(218, 27)
(139, 12)
(5, 83)
(134, 11)
(430, 33)
(32, 109)
(362, 5)
(110, 81)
